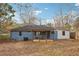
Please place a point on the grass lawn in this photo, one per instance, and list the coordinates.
(52, 48)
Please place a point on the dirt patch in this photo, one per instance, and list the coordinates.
(58, 48)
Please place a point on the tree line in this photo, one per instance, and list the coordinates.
(26, 12)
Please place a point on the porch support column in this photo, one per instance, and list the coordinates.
(39, 36)
(33, 36)
(46, 38)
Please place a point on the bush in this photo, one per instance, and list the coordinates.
(4, 37)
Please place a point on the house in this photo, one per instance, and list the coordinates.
(30, 32)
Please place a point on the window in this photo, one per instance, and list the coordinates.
(63, 33)
(20, 33)
(52, 32)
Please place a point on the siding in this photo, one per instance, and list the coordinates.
(56, 35)
(15, 35)
(60, 36)
(53, 35)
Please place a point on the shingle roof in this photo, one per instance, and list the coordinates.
(61, 28)
(33, 28)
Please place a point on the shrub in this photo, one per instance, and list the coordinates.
(4, 37)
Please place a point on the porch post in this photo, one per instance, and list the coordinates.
(46, 38)
(33, 36)
(39, 36)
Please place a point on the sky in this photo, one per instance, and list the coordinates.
(47, 11)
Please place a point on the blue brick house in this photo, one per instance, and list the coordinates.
(30, 32)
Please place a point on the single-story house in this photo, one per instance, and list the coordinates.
(30, 32)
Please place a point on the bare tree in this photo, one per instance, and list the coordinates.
(76, 24)
(26, 13)
(65, 20)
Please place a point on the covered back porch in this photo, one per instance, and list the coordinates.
(41, 34)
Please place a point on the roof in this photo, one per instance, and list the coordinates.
(32, 28)
(61, 28)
